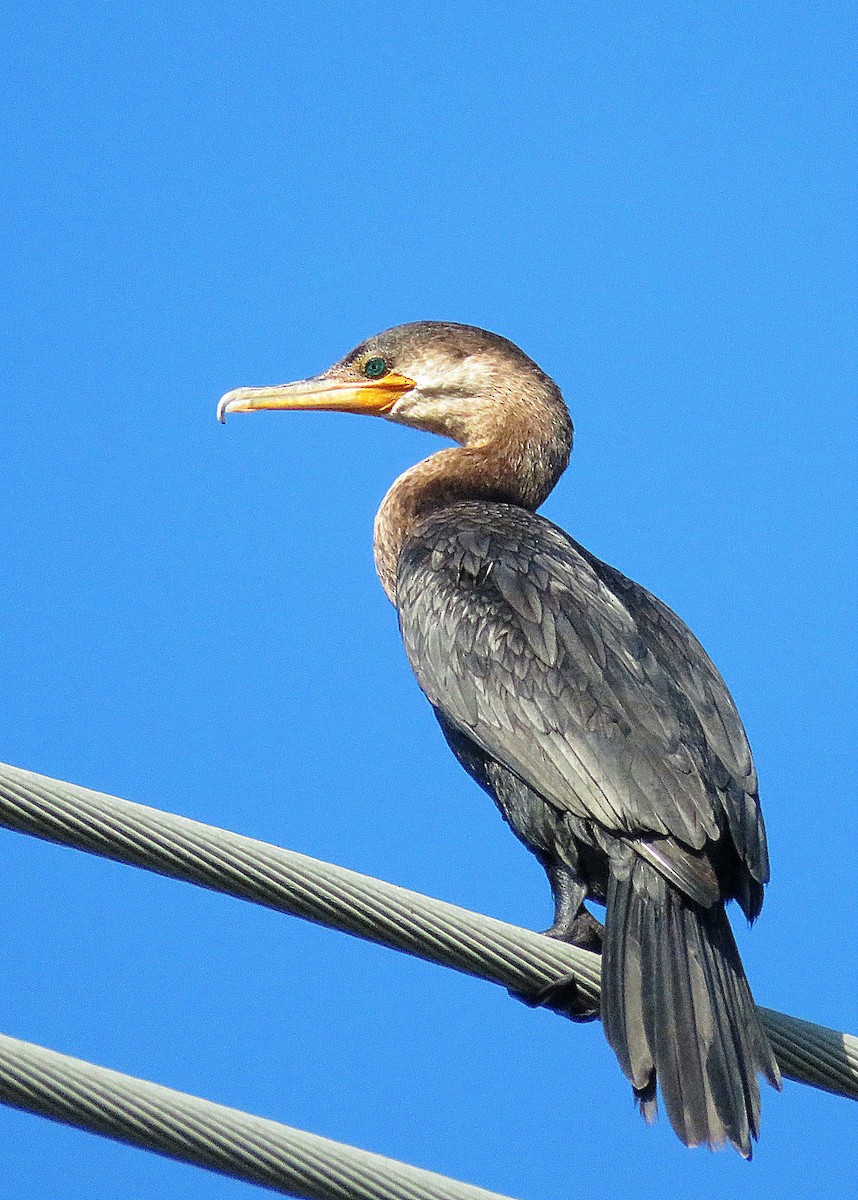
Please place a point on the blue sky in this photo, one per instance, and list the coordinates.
(655, 202)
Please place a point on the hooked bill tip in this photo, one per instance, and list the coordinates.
(223, 406)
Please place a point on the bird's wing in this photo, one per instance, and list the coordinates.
(731, 767)
(596, 696)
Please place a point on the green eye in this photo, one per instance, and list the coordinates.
(374, 368)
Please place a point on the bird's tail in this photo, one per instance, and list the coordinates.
(676, 1007)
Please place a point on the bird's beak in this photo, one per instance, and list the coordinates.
(375, 397)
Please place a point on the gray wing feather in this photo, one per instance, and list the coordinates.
(577, 679)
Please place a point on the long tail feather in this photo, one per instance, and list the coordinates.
(676, 1007)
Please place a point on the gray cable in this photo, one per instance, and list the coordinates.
(341, 899)
(291, 883)
(209, 1135)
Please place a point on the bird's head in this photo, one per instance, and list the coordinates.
(455, 380)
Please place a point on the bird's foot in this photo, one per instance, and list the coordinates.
(583, 931)
(564, 996)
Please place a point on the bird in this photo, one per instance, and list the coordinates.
(580, 702)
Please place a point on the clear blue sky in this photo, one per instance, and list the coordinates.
(655, 202)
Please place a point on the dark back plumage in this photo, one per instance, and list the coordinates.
(595, 696)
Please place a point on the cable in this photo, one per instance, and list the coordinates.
(291, 883)
(524, 962)
(209, 1135)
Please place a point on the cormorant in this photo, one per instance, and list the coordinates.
(581, 703)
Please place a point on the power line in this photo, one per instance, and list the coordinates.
(209, 1135)
(289, 882)
(443, 933)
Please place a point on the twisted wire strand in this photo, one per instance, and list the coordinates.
(516, 958)
(209, 1135)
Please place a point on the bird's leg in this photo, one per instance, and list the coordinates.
(575, 925)
(572, 921)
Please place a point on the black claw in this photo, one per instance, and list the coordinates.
(585, 932)
(563, 997)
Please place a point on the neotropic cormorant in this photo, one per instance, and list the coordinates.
(580, 702)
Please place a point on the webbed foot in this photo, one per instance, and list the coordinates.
(564, 996)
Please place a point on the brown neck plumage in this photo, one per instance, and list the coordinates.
(507, 468)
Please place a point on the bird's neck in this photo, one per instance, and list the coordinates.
(512, 471)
